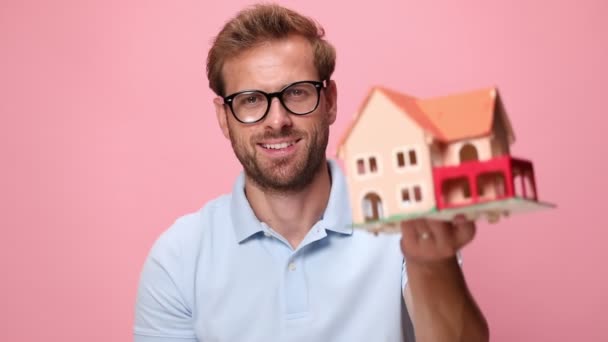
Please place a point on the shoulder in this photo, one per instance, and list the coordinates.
(186, 233)
(166, 286)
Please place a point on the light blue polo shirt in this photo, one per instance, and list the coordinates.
(222, 275)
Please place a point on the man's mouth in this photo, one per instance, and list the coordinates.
(279, 146)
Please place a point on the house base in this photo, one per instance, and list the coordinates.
(491, 211)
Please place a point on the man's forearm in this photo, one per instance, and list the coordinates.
(443, 307)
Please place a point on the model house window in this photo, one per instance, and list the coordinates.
(373, 167)
(406, 158)
(411, 194)
(360, 166)
(413, 160)
(367, 164)
(405, 196)
(400, 159)
(417, 193)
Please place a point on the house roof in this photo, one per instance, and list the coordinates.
(447, 118)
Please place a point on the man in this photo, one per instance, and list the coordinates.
(276, 260)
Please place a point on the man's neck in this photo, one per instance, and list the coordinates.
(292, 214)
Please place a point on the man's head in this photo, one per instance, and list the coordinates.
(263, 23)
(267, 48)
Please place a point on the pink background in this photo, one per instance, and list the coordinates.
(108, 135)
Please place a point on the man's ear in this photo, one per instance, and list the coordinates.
(220, 113)
(331, 99)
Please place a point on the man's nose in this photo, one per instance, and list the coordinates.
(278, 116)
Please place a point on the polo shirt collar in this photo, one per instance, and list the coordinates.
(336, 217)
(244, 221)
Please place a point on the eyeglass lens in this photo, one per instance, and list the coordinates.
(299, 98)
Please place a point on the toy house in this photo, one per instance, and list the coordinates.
(439, 157)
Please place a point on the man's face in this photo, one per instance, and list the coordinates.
(283, 152)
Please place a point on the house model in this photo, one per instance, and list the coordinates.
(407, 157)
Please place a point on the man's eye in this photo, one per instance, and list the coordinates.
(249, 100)
(296, 92)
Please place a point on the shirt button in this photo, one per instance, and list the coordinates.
(292, 266)
(267, 234)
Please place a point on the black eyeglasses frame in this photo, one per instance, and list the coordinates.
(228, 100)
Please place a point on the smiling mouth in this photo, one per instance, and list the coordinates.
(279, 146)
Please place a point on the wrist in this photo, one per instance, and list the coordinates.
(438, 269)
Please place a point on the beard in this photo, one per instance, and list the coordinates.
(289, 174)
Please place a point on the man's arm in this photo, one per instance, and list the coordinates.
(439, 302)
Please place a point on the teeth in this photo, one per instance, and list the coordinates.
(277, 146)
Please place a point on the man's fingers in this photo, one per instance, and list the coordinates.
(442, 233)
(435, 240)
(464, 231)
(424, 232)
(409, 233)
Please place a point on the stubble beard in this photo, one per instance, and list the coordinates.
(284, 175)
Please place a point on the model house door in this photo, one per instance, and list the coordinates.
(372, 207)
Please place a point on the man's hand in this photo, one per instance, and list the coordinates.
(426, 241)
(437, 297)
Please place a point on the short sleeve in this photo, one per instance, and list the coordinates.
(162, 313)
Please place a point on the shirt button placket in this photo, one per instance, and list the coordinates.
(296, 290)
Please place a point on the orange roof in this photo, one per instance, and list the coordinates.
(461, 116)
(448, 118)
(411, 106)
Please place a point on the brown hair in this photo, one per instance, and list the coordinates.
(264, 22)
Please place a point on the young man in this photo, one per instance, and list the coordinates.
(276, 260)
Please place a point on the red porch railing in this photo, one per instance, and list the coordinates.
(509, 167)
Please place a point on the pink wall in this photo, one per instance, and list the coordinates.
(108, 134)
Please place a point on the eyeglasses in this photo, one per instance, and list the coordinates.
(251, 106)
